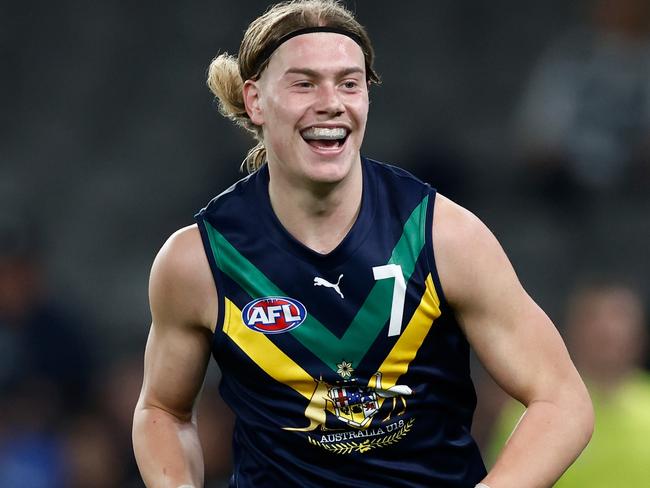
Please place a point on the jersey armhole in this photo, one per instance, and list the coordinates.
(216, 275)
(431, 259)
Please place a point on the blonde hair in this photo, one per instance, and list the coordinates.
(227, 73)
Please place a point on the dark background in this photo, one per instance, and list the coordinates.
(110, 141)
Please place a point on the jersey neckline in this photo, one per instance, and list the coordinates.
(350, 243)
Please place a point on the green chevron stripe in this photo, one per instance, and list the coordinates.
(371, 317)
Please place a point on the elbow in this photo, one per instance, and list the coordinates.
(588, 418)
(582, 413)
(575, 412)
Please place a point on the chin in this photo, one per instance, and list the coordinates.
(329, 170)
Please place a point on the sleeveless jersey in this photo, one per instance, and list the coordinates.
(344, 369)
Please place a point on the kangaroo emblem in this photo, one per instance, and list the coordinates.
(323, 282)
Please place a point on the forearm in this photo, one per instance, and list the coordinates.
(547, 439)
(167, 449)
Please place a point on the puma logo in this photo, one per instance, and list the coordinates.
(323, 282)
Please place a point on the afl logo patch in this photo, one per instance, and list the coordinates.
(274, 315)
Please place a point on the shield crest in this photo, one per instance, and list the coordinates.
(354, 404)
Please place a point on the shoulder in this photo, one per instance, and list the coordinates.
(456, 229)
(399, 191)
(181, 284)
(467, 253)
(393, 172)
(181, 253)
(235, 195)
(453, 224)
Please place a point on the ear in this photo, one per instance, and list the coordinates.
(252, 102)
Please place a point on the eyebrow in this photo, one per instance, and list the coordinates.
(316, 74)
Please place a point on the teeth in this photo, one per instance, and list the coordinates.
(333, 133)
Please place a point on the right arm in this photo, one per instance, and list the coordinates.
(183, 303)
(520, 348)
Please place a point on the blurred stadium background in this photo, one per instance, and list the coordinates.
(110, 141)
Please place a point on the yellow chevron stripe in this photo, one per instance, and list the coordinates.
(398, 360)
(283, 369)
(266, 354)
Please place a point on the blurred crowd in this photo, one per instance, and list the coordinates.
(66, 419)
(605, 327)
(578, 190)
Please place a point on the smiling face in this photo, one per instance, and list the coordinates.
(312, 104)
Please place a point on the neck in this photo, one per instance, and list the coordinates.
(319, 215)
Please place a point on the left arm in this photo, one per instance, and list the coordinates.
(520, 348)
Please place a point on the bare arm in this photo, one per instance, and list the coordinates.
(183, 306)
(518, 345)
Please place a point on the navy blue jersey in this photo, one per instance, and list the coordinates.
(343, 369)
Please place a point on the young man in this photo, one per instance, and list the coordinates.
(339, 296)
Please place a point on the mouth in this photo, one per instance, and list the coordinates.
(325, 138)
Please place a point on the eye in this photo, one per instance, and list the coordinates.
(350, 84)
(303, 84)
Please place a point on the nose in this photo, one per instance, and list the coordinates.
(329, 100)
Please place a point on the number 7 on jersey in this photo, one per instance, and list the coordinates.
(399, 294)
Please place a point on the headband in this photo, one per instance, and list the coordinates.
(270, 49)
